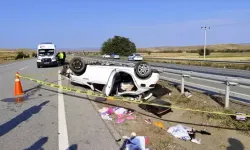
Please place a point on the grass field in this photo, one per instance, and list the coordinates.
(215, 47)
(212, 56)
(7, 56)
(245, 56)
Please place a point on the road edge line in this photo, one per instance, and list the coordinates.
(63, 142)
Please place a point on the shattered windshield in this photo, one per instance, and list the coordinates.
(46, 52)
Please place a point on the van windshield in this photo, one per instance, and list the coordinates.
(46, 52)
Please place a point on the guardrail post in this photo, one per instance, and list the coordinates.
(227, 92)
(183, 82)
(227, 95)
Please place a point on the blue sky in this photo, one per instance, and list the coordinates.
(148, 23)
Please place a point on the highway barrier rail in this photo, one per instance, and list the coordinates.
(234, 88)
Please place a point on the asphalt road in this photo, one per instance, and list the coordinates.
(210, 70)
(47, 118)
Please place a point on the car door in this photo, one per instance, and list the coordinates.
(110, 83)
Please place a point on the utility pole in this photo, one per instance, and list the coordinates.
(205, 40)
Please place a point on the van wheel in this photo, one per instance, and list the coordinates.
(143, 70)
(77, 65)
(38, 66)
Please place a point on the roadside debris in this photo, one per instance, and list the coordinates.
(106, 117)
(122, 114)
(148, 121)
(159, 124)
(186, 133)
(157, 110)
(241, 117)
(135, 142)
(187, 93)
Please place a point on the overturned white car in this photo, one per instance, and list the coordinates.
(115, 80)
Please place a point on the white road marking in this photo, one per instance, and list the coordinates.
(23, 67)
(7, 65)
(63, 142)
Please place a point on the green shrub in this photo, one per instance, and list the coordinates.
(119, 45)
(201, 52)
(21, 55)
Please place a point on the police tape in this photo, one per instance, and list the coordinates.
(41, 74)
(124, 99)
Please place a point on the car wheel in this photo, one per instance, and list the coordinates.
(77, 65)
(38, 66)
(143, 70)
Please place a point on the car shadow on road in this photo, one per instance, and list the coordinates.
(72, 147)
(25, 115)
(38, 144)
(235, 144)
(173, 121)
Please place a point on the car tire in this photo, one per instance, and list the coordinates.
(143, 70)
(38, 66)
(77, 65)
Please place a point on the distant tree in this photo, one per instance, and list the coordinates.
(149, 53)
(33, 54)
(201, 52)
(119, 45)
(20, 55)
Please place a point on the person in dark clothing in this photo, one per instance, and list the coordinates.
(58, 59)
(64, 57)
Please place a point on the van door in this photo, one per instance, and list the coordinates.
(110, 83)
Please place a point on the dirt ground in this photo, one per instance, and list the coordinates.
(226, 132)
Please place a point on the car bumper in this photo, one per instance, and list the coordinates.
(138, 58)
(52, 63)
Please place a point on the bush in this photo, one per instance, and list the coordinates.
(21, 55)
(119, 45)
(33, 54)
(201, 52)
(232, 51)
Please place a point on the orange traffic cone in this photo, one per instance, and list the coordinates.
(18, 87)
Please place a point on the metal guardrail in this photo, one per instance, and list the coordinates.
(240, 87)
(215, 61)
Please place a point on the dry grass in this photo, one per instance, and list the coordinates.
(209, 103)
(9, 56)
(209, 64)
(214, 56)
(189, 48)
